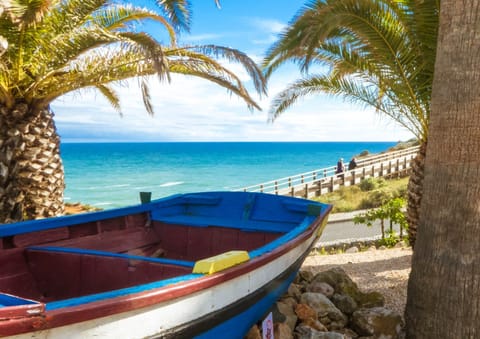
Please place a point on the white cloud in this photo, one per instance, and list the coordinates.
(191, 109)
(200, 37)
(267, 25)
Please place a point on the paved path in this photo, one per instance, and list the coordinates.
(340, 228)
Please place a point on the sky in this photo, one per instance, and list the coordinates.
(190, 109)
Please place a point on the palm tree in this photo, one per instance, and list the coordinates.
(376, 53)
(443, 289)
(50, 48)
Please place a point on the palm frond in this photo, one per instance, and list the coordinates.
(151, 49)
(363, 94)
(177, 12)
(117, 65)
(387, 45)
(120, 17)
(111, 96)
(78, 44)
(147, 100)
(234, 55)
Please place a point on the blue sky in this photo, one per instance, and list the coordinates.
(189, 109)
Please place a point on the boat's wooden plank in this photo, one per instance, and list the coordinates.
(199, 244)
(113, 241)
(57, 276)
(173, 239)
(224, 239)
(21, 284)
(40, 237)
(12, 261)
(82, 230)
(15, 276)
(113, 224)
(251, 240)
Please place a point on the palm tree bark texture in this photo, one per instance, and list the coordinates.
(444, 286)
(415, 192)
(31, 171)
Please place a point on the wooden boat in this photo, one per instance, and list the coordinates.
(206, 265)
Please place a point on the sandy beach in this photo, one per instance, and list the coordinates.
(385, 271)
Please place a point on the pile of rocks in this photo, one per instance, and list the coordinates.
(329, 305)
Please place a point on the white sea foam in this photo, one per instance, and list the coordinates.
(103, 203)
(92, 188)
(172, 183)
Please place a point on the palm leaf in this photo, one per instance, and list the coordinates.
(384, 45)
(111, 96)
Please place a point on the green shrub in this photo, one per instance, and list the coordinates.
(402, 192)
(390, 210)
(390, 240)
(381, 182)
(368, 184)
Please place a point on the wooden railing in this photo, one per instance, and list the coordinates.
(324, 180)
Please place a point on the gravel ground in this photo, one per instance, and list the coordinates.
(385, 271)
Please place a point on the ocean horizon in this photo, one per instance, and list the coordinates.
(109, 175)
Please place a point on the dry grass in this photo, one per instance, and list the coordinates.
(352, 198)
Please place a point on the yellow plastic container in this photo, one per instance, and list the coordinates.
(220, 262)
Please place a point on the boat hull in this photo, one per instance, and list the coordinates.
(224, 304)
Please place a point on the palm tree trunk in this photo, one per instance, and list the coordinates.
(415, 192)
(444, 285)
(31, 170)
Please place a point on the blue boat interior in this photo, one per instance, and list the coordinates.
(77, 259)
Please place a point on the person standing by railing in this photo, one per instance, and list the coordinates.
(340, 166)
(340, 169)
(352, 164)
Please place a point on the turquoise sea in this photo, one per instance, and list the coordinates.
(111, 175)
